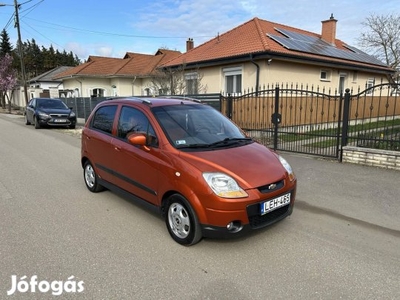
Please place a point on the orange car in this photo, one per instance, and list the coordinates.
(203, 173)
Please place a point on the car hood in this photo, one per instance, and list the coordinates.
(252, 165)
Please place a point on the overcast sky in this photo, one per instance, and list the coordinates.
(112, 28)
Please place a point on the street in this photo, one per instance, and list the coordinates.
(342, 241)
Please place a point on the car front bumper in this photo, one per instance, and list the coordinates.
(235, 224)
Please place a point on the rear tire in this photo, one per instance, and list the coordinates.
(91, 178)
(181, 221)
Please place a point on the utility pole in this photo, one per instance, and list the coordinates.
(21, 51)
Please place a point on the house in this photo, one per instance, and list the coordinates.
(45, 85)
(105, 76)
(262, 53)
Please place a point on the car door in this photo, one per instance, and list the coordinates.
(137, 167)
(97, 141)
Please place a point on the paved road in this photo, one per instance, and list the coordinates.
(342, 242)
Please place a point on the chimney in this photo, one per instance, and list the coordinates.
(329, 30)
(189, 44)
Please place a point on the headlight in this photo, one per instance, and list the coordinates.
(72, 114)
(224, 186)
(42, 115)
(288, 168)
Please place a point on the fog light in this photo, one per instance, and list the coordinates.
(234, 226)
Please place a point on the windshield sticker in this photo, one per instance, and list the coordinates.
(180, 142)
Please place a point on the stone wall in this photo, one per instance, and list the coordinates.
(372, 157)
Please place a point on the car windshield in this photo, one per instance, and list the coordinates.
(198, 127)
(51, 103)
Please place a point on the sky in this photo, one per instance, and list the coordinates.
(113, 28)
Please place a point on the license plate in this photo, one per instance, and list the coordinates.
(273, 204)
(60, 120)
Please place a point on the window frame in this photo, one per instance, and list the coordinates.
(234, 73)
(327, 77)
(191, 81)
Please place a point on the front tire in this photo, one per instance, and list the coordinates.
(91, 178)
(37, 124)
(181, 221)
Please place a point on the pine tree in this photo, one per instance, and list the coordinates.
(5, 45)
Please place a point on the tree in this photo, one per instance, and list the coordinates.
(382, 38)
(8, 79)
(5, 45)
(177, 81)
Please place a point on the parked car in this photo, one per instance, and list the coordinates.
(191, 163)
(49, 112)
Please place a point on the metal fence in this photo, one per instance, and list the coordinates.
(303, 119)
(83, 106)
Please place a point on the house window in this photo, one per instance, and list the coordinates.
(325, 75)
(369, 85)
(98, 93)
(191, 80)
(233, 80)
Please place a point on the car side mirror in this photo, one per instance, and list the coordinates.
(138, 139)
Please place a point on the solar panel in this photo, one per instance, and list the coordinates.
(310, 44)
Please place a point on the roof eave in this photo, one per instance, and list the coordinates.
(292, 57)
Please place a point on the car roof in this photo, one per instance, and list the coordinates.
(47, 99)
(152, 102)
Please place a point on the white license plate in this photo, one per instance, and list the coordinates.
(60, 120)
(273, 204)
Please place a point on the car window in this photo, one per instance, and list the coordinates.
(187, 125)
(132, 120)
(103, 118)
(51, 103)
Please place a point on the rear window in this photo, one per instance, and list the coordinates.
(103, 118)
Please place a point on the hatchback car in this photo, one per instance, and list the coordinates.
(206, 177)
(49, 112)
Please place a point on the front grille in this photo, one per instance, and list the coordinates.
(257, 221)
(61, 116)
(271, 187)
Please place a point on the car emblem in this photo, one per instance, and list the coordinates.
(272, 186)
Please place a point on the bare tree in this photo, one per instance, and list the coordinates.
(382, 38)
(177, 81)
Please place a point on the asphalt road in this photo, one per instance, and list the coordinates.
(342, 241)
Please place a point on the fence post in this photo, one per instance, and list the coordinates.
(229, 106)
(276, 118)
(345, 127)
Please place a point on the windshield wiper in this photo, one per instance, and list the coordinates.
(192, 146)
(230, 141)
(222, 143)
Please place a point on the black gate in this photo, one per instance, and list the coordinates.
(302, 119)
